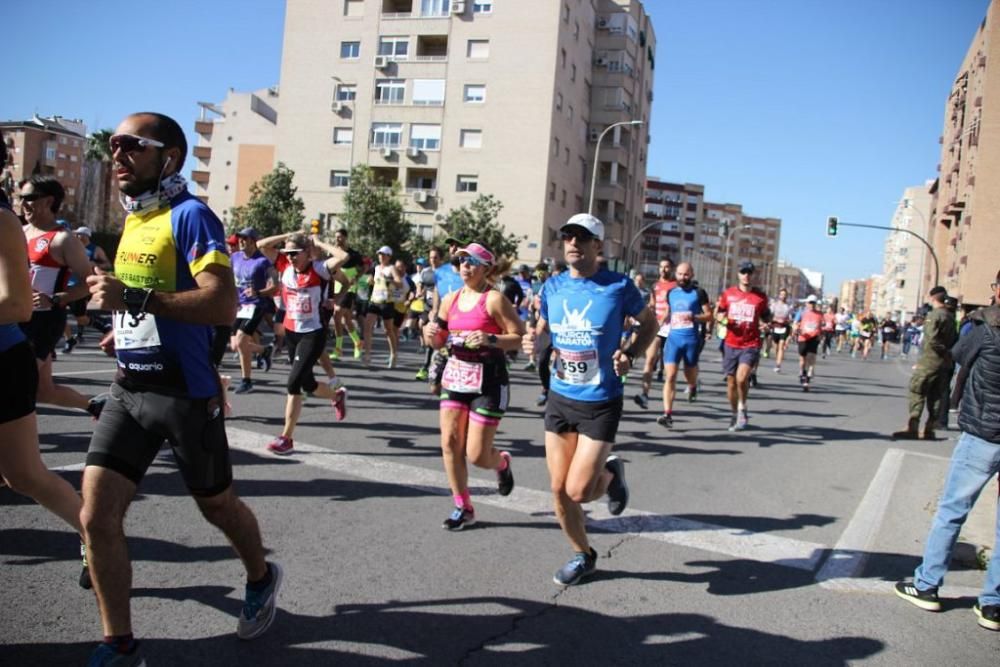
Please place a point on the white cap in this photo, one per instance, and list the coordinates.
(83, 230)
(385, 250)
(811, 298)
(588, 222)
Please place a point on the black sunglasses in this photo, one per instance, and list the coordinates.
(34, 196)
(744, 272)
(129, 143)
(578, 234)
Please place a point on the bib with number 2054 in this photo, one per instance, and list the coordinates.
(462, 377)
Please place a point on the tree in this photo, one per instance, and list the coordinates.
(478, 222)
(96, 192)
(374, 215)
(273, 207)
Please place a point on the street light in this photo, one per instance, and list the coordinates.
(597, 154)
(725, 250)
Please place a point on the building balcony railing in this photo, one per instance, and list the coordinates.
(203, 127)
(200, 177)
(202, 152)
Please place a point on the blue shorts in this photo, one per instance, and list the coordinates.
(687, 347)
(734, 357)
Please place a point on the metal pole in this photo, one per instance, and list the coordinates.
(597, 154)
(937, 268)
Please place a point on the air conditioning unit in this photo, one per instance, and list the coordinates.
(337, 107)
(458, 8)
(381, 62)
(413, 151)
(602, 21)
(601, 61)
(420, 196)
(387, 152)
(595, 134)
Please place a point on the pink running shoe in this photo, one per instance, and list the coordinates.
(340, 404)
(281, 445)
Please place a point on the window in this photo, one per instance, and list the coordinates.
(474, 93)
(428, 92)
(425, 137)
(50, 153)
(482, 7)
(478, 49)
(434, 7)
(394, 47)
(468, 183)
(63, 140)
(471, 139)
(566, 12)
(354, 7)
(569, 112)
(61, 173)
(350, 50)
(389, 91)
(562, 58)
(346, 92)
(343, 136)
(572, 72)
(340, 179)
(559, 101)
(562, 199)
(576, 30)
(566, 155)
(552, 191)
(555, 146)
(72, 158)
(387, 135)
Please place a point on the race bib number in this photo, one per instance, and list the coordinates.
(888, 330)
(780, 330)
(682, 320)
(246, 311)
(664, 331)
(579, 367)
(462, 377)
(143, 334)
(299, 306)
(742, 312)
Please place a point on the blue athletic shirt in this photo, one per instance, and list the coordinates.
(164, 249)
(685, 304)
(447, 280)
(586, 317)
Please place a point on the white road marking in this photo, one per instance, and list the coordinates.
(735, 542)
(103, 370)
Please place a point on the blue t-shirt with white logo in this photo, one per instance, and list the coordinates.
(586, 317)
(447, 280)
(685, 305)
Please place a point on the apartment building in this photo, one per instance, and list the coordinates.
(800, 283)
(235, 149)
(966, 206)
(905, 260)
(455, 99)
(54, 146)
(678, 223)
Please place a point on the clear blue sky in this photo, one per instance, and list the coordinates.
(797, 109)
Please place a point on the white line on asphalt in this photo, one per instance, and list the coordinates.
(736, 542)
(73, 467)
(103, 370)
(929, 456)
(851, 551)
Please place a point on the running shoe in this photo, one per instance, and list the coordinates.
(70, 344)
(666, 421)
(988, 615)
(617, 488)
(692, 393)
(258, 362)
(84, 580)
(422, 375)
(357, 353)
(741, 420)
(659, 376)
(765, 354)
(642, 401)
(926, 600)
(265, 357)
(245, 386)
(339, 401)
(732, 424)
(260, 607)
(579, 566)
(392, 361)
(334, 354)
(777, 369)
(753, 380)
(542, 399)
(281, 445)
(505, 477)
(96, 404)
(459, 519)
(106, 655)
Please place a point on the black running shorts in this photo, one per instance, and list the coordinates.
(134, 424)
(597, 421)
(810, 346)
(17, 395)
(44, 330)
(248, 325)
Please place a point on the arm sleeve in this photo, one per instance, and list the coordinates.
(200, 237)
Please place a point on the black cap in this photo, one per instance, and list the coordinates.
(939, 291)
(747, 265)
(451, 240)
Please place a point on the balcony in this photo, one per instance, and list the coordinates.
(204, 127)
(200, 177)
(202, 152)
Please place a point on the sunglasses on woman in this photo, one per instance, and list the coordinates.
(471, 261)
(129, 143)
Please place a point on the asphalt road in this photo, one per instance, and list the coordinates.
(778, 545)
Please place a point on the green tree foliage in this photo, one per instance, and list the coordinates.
(478, 222)
(98, 146)
(273, 207)
(373, 214)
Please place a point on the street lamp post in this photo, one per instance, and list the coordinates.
(725, 251)
(920, 288)
(597, 154)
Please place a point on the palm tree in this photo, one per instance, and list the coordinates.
(99, 150)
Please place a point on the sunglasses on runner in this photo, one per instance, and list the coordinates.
(129, 143)
(471, 261)
(744, 272)
(34, 196)
(578, 234)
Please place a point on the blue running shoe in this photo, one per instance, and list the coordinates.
(260, 607)
(106, 655)
(578, 567)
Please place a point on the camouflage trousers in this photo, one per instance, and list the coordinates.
(929, 386)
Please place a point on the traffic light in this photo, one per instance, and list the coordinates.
(831, 226)
(314, 227)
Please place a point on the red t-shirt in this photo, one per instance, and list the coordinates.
(743, 312)
(660, 289)
(809, 325)
(829, 321)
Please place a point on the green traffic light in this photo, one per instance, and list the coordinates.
(831, 226)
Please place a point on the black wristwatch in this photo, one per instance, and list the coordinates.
(631, 356)
(491, 339)
(135, 299)
(56, 300)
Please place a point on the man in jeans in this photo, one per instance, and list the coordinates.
(974, 464)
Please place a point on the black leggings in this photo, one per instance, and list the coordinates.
(303, 353)
(545, 366)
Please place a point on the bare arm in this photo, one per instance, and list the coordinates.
(73, 255)
(212, 302)
(434, 334)
(502, 311)
(15, 282)
(337, 258)
(269, 245)
(641, 340)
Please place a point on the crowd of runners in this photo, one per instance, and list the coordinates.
(179, 297)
